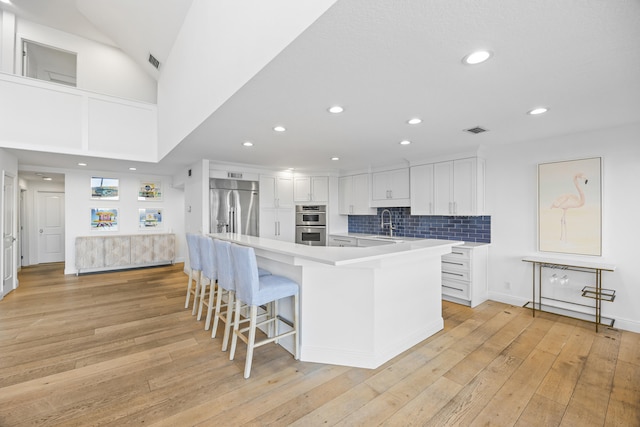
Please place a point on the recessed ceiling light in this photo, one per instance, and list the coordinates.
(46, 178)
(248, 144)
(405, 142)
(336, 109)
(279, 128)
(82, 164)
(414, 121)
(536, 111)
(132, 169)
(477, 57)
(335, 158)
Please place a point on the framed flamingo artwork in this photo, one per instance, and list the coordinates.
(570, 207)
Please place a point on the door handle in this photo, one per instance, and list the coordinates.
(41, 231)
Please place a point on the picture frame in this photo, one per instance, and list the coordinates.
(105, 188)
(570, 207)
(150, 191)
(150, 218)
(104, 219)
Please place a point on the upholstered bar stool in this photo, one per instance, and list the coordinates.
(226, 287)
(255, 290)
(195, 270)
(210, 273)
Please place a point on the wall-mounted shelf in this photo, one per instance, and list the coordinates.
(595, 292)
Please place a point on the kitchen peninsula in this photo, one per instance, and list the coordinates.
(359, 306)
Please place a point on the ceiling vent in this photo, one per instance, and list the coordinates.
(153, 61)
(475, 130)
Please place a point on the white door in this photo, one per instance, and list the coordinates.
(50, 227)
(8, 237)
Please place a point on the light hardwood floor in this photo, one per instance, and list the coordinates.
(120, 349)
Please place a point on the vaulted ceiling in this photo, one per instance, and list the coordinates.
(386, 62)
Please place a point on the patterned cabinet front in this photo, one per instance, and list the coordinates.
(117, 251)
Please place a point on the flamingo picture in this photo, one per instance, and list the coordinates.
(570, 201)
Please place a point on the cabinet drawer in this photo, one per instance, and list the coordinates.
(455, 289)
(455, 264)
(456, 274)
(342, 241)
(457, 254)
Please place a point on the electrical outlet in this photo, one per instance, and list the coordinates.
(507, 285)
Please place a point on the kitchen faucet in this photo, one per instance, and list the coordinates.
(382, 224)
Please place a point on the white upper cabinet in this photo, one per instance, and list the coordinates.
(311, 189)
(458, 187)
(390, 188)
(276, 191)
(353, 195)
(422, 190)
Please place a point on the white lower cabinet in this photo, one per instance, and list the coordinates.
(342, 241)
(464, 274)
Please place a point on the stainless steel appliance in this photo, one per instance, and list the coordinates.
(311, 225)
(234, 206)
(311, 215)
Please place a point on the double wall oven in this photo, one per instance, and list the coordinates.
(311, 225)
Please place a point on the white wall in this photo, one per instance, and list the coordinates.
(78, 204)
(221, 45)
(512, 203)
(7, 40)
(196, 198)
(101, 68)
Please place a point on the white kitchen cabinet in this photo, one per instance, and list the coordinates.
(342, 241)
(278, 224)
(465, 274)
(277, 210)
(276, 191)
(311, 189)
(421, 178)
(353, 195)
(390, 188)
(458, 187)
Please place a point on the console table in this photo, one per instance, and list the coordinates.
(595, 292)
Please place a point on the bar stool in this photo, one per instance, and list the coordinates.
(226, 286)
(195, 270)
(210, 272)
(255, 291)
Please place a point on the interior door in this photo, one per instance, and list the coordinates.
(8, 237)
(50, 227)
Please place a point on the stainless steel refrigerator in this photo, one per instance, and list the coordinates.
(233, 206)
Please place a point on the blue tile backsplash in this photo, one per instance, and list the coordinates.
(467, 228)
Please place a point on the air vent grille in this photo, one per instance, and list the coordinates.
(153, 61)
(237, 175)
(475, 130)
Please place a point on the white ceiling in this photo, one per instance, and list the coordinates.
(386, 62)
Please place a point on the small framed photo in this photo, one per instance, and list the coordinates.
(104, 188)
(104, 219)
(150, 219)
(150, 191)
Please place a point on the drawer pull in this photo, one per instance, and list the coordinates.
(453, 274)
(458, 253)
(341, 240)
(451, 287)
(454, 263)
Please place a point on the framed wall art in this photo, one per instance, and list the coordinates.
(104, 219)
(150, 191)
(570, 207)
(104, 188)
(150, 219)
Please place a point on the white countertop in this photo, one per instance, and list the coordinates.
(341, 256)
(409, 239)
